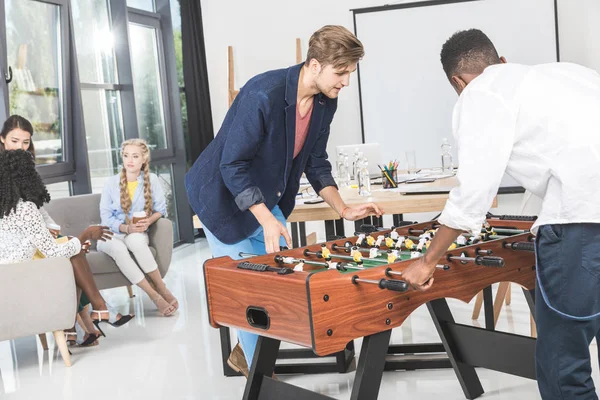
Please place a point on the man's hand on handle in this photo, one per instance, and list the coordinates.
(362, 211)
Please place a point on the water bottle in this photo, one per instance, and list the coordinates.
(339, 165)
(345, 175)
(447, 166)
(364, 180)
(354, 172)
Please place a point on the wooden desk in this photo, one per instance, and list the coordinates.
(392, 202)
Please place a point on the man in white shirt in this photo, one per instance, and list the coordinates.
(541, 125)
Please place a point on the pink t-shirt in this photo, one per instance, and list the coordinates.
(302, 124)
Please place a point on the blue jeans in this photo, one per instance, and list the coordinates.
(255, 244)
(567, 309)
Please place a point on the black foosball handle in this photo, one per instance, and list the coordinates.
(308, 253)
(337, 247)
(488, 261)
(341, 267)
(522, 246)
(404, 223)
(393, 285)
(334, 237)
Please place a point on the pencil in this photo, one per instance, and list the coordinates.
(388, 176)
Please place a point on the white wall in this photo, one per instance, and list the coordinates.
(579, 32)
(263, 34)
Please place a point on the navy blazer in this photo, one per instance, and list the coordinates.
(250, 161)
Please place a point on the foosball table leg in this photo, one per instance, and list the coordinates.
(488, 309)
(343, 359)
(371, 363)
(226, 351)
(262, 367)
(261, 385)
(466, 374)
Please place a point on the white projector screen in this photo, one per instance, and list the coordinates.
(406, 100)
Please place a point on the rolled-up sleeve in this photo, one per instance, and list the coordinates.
(318, 167)
(245, 136)
(484, 129)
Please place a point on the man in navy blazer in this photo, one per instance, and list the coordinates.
(244, 185)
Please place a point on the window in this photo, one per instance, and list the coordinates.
(35, 55)
(176, 21)
(165, 175)
(95, 41)
(146, 5)
(104, 133)
(100, 94)
(59, 190)
(147, 84)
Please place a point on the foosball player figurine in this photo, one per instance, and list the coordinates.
(392, 256)
(389, 242)
(373, 253)
(356, 254)
(325, 252)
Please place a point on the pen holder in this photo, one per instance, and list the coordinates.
(393, 174)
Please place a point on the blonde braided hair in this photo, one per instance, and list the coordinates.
(125, 199)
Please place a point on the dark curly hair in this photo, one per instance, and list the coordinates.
(469, 51)
(19, 181)
(17, 122)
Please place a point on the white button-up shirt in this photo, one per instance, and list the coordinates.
(541, 125)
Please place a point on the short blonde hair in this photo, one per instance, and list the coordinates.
(334, 45)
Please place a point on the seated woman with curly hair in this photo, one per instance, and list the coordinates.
(23, 230)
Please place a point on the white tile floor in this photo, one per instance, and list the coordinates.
(179, 357)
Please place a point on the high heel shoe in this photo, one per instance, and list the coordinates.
(90, 341)
(114, 323)
(71, 342)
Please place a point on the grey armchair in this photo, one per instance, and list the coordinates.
(76, 213)
(38, 296)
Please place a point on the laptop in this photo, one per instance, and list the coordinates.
(371, 151)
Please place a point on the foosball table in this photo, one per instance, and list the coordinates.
(326, 295)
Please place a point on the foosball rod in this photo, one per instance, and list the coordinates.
(506, 231)
(413, 238)
(318, 254)
(389, 284)
(291, 260)
(389, 271)
(345, 248)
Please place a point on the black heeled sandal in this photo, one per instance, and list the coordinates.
(115, 323)
(92, 337)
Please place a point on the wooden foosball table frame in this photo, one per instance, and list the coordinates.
(310, 308)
